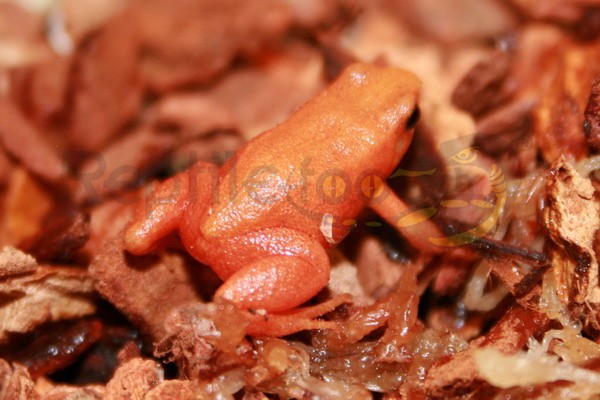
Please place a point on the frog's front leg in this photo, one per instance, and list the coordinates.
(417, 230)
(161, 211)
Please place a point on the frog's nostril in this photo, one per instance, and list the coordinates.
(414, 118)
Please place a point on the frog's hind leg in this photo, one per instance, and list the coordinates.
(280, 269)
(161, 211)
(284, 269)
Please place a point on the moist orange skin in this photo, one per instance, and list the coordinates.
(264, 220)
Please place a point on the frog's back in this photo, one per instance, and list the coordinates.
(284, 176)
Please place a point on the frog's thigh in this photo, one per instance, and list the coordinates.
(289, 270)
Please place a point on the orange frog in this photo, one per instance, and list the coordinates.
(264, 220)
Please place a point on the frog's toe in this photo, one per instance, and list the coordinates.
(295, 320)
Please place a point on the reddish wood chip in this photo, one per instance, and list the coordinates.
(55, 346)
(564, 11)
(26, 143)
(107, 220)
(47, 88)
(62, 237)
(233, 27)
(505, 128)
(572, 219)
(5, 167)
(15, 383)
(482, 88)
(121, 164)
(43, 294)
(134, 379)
(456, 20)
(564, 94)
(205, 340)
(21, 35)
(67, 392)
(14, 262)
(145, 289)
(591, 125)
(107, 86)
(172, 390)
(26, 205)
(458, 374)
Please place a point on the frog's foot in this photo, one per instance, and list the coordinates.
(294, 320)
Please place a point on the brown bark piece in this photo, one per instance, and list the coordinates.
(233, 28)
(565, 11)
(482, 88)
(15, 383)
(564, 94)
(48, 87)
(173, 390)
(27, 204)
(572, 219)
(376, 273)
(452, 21)
(205, 340)
(108, 219)
(61, 238)
(457, 375)
(145, 289)
(56, 346)
(45, 294)
(14, 262)
(21, 36)
(107, 85)
(505, 128)
(27, 144)
(591, 125)
(120, 164)
(193, 114)
(133, 380)
(263, 96)
(64, 392)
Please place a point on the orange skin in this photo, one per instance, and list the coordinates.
(264, 220)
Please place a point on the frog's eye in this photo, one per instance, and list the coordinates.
(465, 156)
(413, 119)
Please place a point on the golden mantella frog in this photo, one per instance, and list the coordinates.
(264, 220)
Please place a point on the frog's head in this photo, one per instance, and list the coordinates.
(385, 101)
